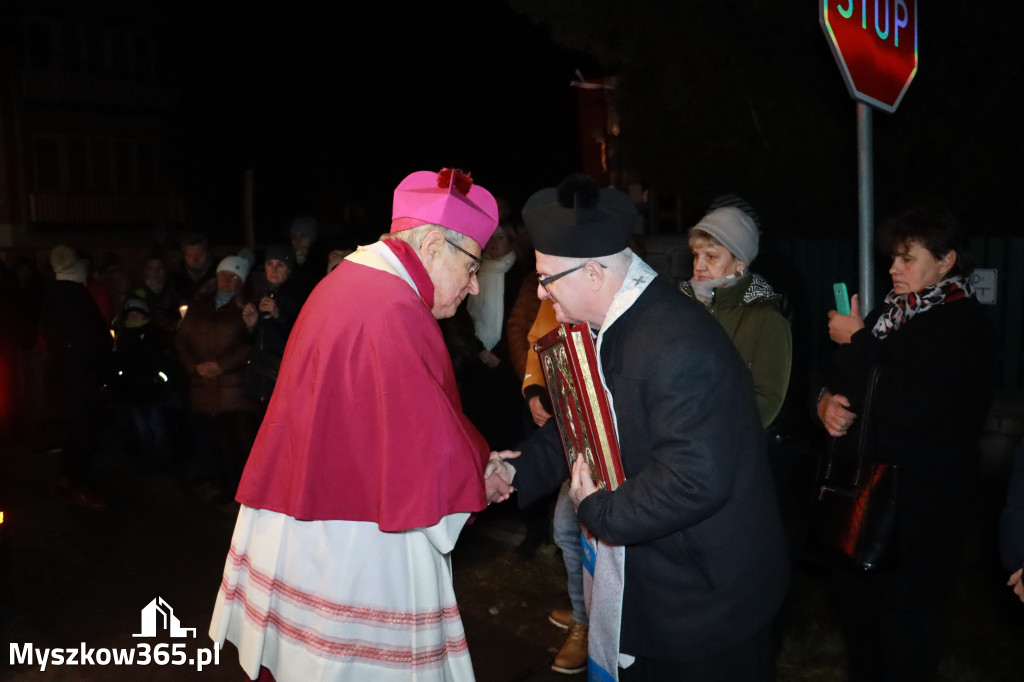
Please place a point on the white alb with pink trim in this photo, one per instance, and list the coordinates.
(341, 600)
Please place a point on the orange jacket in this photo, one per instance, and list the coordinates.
(542, 324)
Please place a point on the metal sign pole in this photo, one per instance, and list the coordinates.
(865, 199)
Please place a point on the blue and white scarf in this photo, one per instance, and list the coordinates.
(605, 564)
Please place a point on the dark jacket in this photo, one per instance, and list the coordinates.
(271, 333)
(934, 391)
(1011, 525)
(269, 339)
(78, 349)
(491, 396)
(143, 371)
(187, 286)
(163, 306)
(706, 563)
(306, 275)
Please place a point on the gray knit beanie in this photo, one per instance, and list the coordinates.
(734, 230)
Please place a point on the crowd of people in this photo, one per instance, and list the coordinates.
(386, 426)
(178, 359)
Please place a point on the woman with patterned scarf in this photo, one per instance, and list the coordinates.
(932, 343)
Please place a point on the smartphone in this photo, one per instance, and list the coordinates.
(842, 298)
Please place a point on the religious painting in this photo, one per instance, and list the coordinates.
(581, 408)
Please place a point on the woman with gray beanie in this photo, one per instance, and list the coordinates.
(724, 244)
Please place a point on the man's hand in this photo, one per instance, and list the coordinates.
(841, 328)
(1017, 583)
(540, 415)
(834, 413)
(498, 476)
(581, 484)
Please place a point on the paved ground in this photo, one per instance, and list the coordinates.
(78, 576)
(83, 576)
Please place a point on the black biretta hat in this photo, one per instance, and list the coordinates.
(579, 219)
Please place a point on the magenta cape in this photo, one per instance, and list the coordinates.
(365, 422)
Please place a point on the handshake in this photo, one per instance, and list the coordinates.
(498, 476)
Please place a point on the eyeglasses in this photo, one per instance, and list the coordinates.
(554, 278)
(477, 262)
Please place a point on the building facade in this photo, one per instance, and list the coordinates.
(87, 105)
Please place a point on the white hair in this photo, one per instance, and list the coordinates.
(615, 263)
(415, 236)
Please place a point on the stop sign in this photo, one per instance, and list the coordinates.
(875, 44)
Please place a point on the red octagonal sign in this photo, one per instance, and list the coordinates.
(875, 44)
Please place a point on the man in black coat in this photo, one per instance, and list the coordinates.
(78, 351)
(694, 531)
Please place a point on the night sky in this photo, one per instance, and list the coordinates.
(331, 107)
(331, 104)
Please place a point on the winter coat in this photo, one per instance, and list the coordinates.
(142, 368)
(706, 561)
(269, 339)
(934, 390)
(78, 349)
(215, 334)
(519, 323)
(750, 313)
(1011, 523)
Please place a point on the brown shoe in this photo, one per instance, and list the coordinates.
(572, 657)
(560, 618)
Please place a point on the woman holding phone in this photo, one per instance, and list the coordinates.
(931, 342)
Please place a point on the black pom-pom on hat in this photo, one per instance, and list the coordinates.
(578, 191)
(579, 219)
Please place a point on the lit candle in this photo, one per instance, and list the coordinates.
(182, 309)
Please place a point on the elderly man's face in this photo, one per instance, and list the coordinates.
(568, 293)
(452, 278)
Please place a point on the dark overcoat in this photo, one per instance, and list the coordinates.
(934, 390)
(78, 350)
(706, 561)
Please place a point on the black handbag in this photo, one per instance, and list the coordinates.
(852, 518)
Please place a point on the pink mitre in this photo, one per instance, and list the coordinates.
(449, 199)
